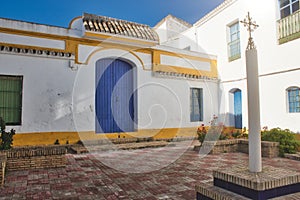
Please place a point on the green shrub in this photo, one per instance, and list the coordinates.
(236, 134)
(286, 139)
(213, 133)
(6, 137)
(223, 136)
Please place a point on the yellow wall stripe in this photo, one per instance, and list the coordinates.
(48, 138)
(182, 70)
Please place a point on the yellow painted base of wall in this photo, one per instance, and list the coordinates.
(44, 138)
(48, 138)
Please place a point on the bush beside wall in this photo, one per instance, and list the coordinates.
(269, 149)
(285, 138)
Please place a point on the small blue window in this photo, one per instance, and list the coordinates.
(196, 98)
(294, 99)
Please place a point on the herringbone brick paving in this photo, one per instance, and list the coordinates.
(86, 177)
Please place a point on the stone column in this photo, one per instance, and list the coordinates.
(255, 161)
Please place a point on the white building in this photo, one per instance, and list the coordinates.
(221, 33)
(100, 75)
(58, 82)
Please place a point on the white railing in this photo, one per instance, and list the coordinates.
(289, 27)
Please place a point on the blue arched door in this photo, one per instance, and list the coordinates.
(114, 96)
(238, 108)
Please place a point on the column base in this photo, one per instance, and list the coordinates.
(270, 183)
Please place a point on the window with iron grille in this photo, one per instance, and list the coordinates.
(11, 99)
(293, 99)
(196, 106)
(234, 50)
(288, 7)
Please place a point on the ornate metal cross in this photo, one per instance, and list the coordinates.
(251, 26)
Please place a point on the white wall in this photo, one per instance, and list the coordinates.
(165, 102)
(162, 32)
(40, 28)
(162, 102)
(274, 100)
(31, 41)
(47, 92)
(272, 57)
(57, 98)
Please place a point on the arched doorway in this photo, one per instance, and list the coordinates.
(114, 99)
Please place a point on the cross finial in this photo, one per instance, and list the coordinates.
(251, 26)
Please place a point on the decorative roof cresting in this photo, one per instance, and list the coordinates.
(114, 26)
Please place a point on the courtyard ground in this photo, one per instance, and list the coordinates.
(86, 177)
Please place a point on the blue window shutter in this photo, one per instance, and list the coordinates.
(238, 109)
(196, 104)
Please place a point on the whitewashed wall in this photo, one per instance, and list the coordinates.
(212, 37)
(56, 98)
(47, 92)
(162, 102)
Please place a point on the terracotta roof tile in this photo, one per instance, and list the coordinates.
(118, 27)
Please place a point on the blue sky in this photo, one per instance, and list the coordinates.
(61, 12)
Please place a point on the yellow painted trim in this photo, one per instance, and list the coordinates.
(155, 58)
(71, 43)
(71, 46)
(102, 49)
(71, 22)
(33, 34)
(214, 68)
(180, 55)
(182, 70)
(48, 138)
(76, 53)
(44, 138)
(146, 51)
(97, 35)
(157, 66)
(119, 38)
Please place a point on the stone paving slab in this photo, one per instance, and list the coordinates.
(87, 177)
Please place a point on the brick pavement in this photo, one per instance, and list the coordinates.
(86, 177)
